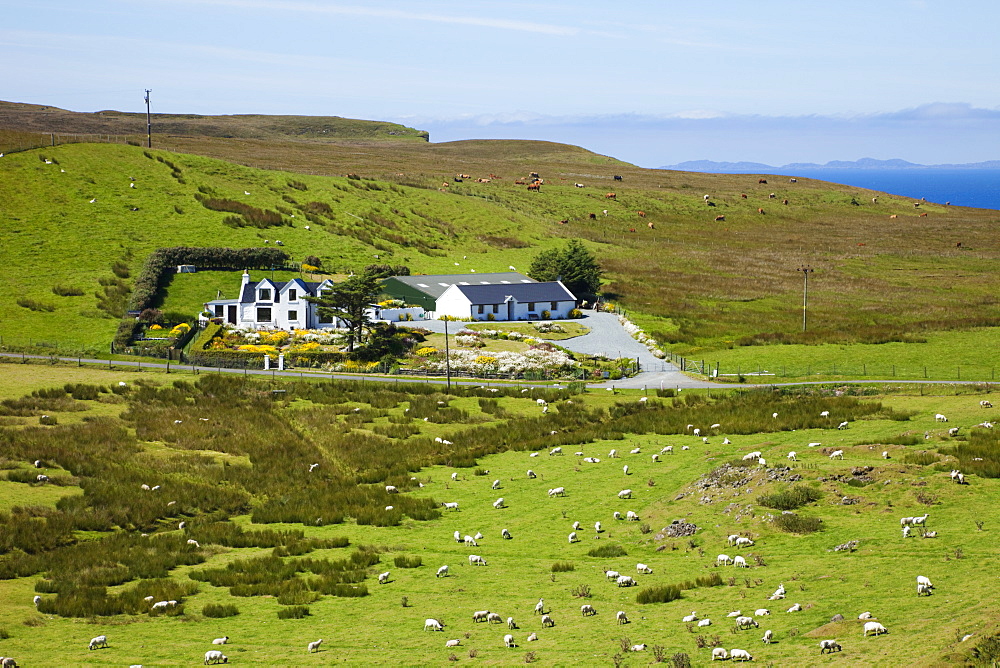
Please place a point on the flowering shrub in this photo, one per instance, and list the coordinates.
(548, 327)
(468, 338)
(427, 350)
(350, 366)
(157, 327)
(303, 347)
(507, 362)
(270, 351)
(392, 303)
(642, 337)
(575, 313)
(486, 360)
(275, 338)
(178, 330)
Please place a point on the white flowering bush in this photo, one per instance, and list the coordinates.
(547, 327)
(505, 362)
(468, 338)
(641, 336)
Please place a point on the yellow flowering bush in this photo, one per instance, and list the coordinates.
(486, 360)
(304, 347)
(275, 338)
(270, 351)
(156, 327)
(180, 329)
(426, 350)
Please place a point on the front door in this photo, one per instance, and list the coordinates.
(231, 314)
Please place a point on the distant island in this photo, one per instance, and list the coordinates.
(713, 167)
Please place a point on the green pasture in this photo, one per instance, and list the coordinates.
(379, 630)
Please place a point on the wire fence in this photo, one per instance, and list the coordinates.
(14, 142)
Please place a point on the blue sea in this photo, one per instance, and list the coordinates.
(978, 188)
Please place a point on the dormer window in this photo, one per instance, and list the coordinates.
(264, 295)
(292, 295)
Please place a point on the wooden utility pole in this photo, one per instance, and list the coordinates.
(149, 125)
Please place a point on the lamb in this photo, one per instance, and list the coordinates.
(557, 491)
(587, 609)
(723, 560)
(953, 431)
(726, 441)
(719, 654)
(531, 474)
(6, 661)
(697, 432)
(41, 477)
(454, 476)
(433, 625)
(442, 572)
(923, 589)
(572, 537)
(625, 469)
(795, 608)
(498, 504)
(865, 615)
(693, 617)
(740, 562)
(215, 656)
(621, 617)
(761, 612)
(475, 559)
(617, 515)
(768, 637)
(923, 580)
(929, 534)
(906, 532)
(383, 577)
(510, 623)
(733, 538)
(837, 454)
(508, 640)
(99, 641)
(453, 643)
(792, 456)
(547, 621)
(829, 646)
(637, 648)
(885, 454)
(221, 641)
(921, 520)
(630, 515)
(874, 627)
(643, 568)
(625, 494)
(505, 534)
(314, 645)
(667, 450)
(740, 654)
(496, 484)
(540, 607)
(613, 454)
(450, 505)
(532, 637)
(597, 527)
(576, 526)
(704, 622)
(458, 536)
(746, 622)
(635, 451)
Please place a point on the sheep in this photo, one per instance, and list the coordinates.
(587, 609)
(547, 621)
(885, 454)
(643, 568)
(498, 504)
(625, 469)
(314, 645)
(761, 612)
(6, 661)
(924, 580)
(837, 454)
(746, 622)
(625, 581)
(597, 527)
(865, 615)
(693, 617)
(555, 451)
(719, 654)
(41, 477)
(458, 536)
(704, 439)
(814, 445)
(215, 656)
(874, 627)
(161, 605)
(684, 447)
(617, 515)
(768, 637)
(469, 540)
(631, 516)
(532, 637)
(921, 520)
(433, 625)
(533, 454)
(454, 476)
(829, 646)
(953, 431)
(531, 474)
(743, 541)
(923, 589)
(667, 450)
(929, 534)
(906, 532)
(442, 572)
(505, 534)
(740, 654)
(752, 455)
(704, 622)
(511, 624)
(453, 643)
(940, 418)
(496, 484)
(740, 562)
(313, 466)
(613, 454)
(625, 494)
(842, 425)
(37, 600)
(508, 640)
(391, 489)
(733, 538)
(557, 491)
(780, 590)
(494, 618)
(576, 526)
(621, 617)
(475, 559)
(697, 432)
(795, 608)
(572, 537)
(735, 613)
(723, 560)
(221, 641)
(450, 505)
(635, 451)
(791, 456)
(383, 577)
(774, 416)
(144, 487)
(99, 641)
(985, 403)
(540, 607)
(637, 648)
(612, 575)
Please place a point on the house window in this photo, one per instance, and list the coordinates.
(219, 310)
(264, 295)
(496, 308)
(481, 307)
(531, 306)
(293, 315)
(293, 295)
(555, 306)
(263, 315)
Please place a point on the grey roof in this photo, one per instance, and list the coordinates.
(435, 285)
(250, 289)
(522, 292)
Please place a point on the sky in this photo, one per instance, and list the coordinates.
(652, 82)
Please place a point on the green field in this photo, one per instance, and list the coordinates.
(228, 450)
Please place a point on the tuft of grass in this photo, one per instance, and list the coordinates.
(562, 567)
(219, 610)
(658, 594)
(609, 551)
(294, 612)
(403, 561)
(790, 499)
(794, 523)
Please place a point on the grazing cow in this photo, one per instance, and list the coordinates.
(610, 196)
(719, 218)
(762, 181)
(760, 211)
(537, 187)
(874, 200)
(743, 195)
(650, 225)
(617, 177)
(642, 214)
(923, 215)
(793, 180)
(893, 216)
(593, 216)
(771, 196)
(578, 185)
(565, 221)
(785, 202)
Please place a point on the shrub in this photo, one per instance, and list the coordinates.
(562, 567)
(658, 594)
(793, 523)
(48, 420)
(403, 561)
(34, 305)
(294, 612)
(67, 291)
(575, 313)
(791, 499)
(608, 551)
(217, 610)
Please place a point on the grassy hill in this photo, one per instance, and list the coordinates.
(721, 290)
(227, 453)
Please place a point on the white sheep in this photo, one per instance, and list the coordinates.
(743, 541)
(874, 627)
(814, 445)
(612, 575)
(684, 447)
(442, 572)
(532, 637)
(498, 504)
(825, 414)
(885, 454)
(697, 432)
(655, 458)
(555, 451)
(837, 454)
(842, 425)
(795, 608)
(99, 641)
(510, 623)
(723, 560)
(761, 612)
(924, 580)
(625, 581)
(433, 625)
(985, 403)
(617, 515)
(637, 648)
(508, 640)
(613, 454)
(576, 526)
(704, 622)
(469, 540)
(746, 622)
(920, 520)
(314, 645)
(719, 654)
(667, 450)
(192, 541)
(625, 469)
(792, 456)
(215, 656)
(505, 534)
(572, 537)
(768, 637)
(383, 577)
(693, 617)
(829, 646)
(740, 654)
(940, 418)
(475, 559)
(496, 484)
(547, 621)
(540, 607)
(221, 641)
(735, 613)
(643, 568)
(391, 489)
(632, 516)
(531, 474)
(454, 476)
(493, 618)
(453, 643)
(740, 562)
(923, 589)
(621, 617)
(625, 494)
(587, 609)
(635, 451)
(557, 491)
(865, 615)
(37, 600)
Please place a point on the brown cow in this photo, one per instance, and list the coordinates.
(784, 201)
(642, 214)
(743, 195)
(519, 182)
(631, 229)
(610, 196)
(760, 211)
(650, 225)
(564, 222)
(771, 196)
(535, 186)
(893, 216)
(719, 218)
(923, 215)
(593, 216)
(762, 181)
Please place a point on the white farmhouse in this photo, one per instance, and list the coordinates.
(268, 304)
(516, 301)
